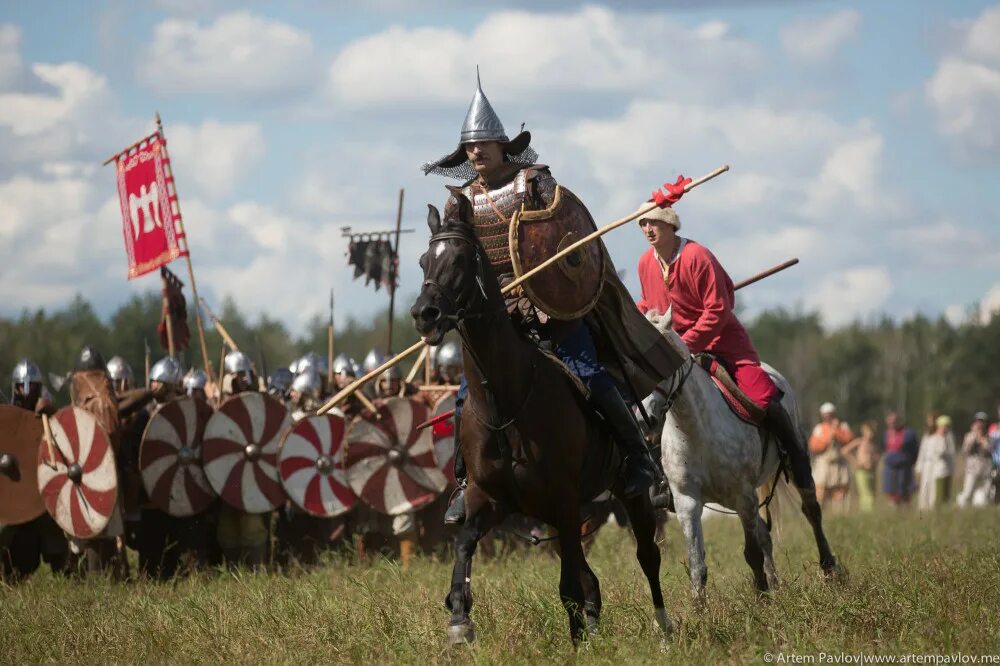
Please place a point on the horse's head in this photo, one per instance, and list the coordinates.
(454, 273)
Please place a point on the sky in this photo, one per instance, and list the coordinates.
(863, 138)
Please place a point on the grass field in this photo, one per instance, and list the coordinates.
(917, 584)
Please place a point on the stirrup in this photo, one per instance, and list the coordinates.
(455, 513)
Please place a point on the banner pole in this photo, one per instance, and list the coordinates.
(187, 257)
(168, 319)
(393, 273)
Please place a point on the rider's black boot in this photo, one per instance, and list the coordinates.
(779, 422)
(638, 471)
(455, 514)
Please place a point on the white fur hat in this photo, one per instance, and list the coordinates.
(667, 215)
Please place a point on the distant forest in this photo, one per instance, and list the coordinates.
(866, 369)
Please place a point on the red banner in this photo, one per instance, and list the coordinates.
(151, 219)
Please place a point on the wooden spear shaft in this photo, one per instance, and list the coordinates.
(569, 249)
(329, 345)
(219, 327)
(763, 274)
(392, 273)
(417, 365)
(420, 344)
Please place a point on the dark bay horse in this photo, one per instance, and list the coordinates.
(531, 444)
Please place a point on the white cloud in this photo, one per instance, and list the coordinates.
(820, 40)
(597, 50)
(989, 306)
(79, 92)
(964, 91)
(850, 293)
(210, 158)
(239, 54)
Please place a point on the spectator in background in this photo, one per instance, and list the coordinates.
(935, 465)
(900, 446)
(865, 452)
(977, 449)
(831, 472)
(994, 434)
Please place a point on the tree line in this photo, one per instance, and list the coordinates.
(913, 366)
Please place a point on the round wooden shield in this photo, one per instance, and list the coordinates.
(569, 289)
(170, 457)
(391, 465)
(20, 432)
(77, 476)
(444, 437)
(240, 451)
(311, 466)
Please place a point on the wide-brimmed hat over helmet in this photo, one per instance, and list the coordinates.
(481, 124)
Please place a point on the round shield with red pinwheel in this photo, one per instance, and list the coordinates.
(240, 451)
(444, 437)
(77, 476)
(170, 458)
(311, 466)
(391, 464)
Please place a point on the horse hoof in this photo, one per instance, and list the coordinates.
(592, 623)
(836, 572)
(663, 620)
(461, 634)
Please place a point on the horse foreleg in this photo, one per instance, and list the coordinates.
(814, 514)
(689, 514)
(481, 518)
(644, 525)
(591, 596)
(570, 584)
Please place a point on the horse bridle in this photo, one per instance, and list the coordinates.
(462, 315)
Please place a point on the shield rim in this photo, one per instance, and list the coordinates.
(110, 453)
(32, 465)
(343, 463)
(515, 256)
(142, 443)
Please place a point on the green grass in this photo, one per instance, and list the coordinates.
(917, 584)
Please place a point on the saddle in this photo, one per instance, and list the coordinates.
(738, 401)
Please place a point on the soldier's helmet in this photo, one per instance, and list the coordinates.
(449, 356)
(195, 379)
(237, 362)
(372, 361)
(90, 359)
(390, 374)
(280, 381)
(345, 365)
(308, 383)
(166, 371)
(25, 374)
(121, 372)
(312, 361)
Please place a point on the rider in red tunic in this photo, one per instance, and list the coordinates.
(680, 274)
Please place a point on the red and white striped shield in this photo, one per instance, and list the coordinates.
(79, 480)
(170, 457)
(444, 437)
(391, 465)
(240, 451)
(311, 466)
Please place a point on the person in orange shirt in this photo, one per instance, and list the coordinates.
(831, 472)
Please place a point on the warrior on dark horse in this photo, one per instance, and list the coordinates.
(532, 438)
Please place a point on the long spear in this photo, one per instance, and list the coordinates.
(329, 344)
(739, 285)
(353, 386)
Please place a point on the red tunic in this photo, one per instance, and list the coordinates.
(702, 296)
